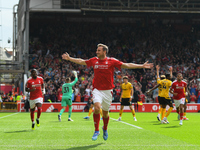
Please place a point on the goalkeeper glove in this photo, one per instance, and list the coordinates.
(75, 73)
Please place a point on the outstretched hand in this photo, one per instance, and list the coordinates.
(148, 65)
(157, 67)
(65, 56)
(170, 68)
(148, 92)
(75, 73)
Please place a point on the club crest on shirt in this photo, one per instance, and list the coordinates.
(95, 66)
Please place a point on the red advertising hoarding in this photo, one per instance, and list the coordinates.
(115, 107)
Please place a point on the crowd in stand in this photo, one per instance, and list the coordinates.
(158, 43)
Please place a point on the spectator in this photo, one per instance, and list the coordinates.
(142, 97)
(76, 91)
(88, 90)
(193, 90)
(193, 98)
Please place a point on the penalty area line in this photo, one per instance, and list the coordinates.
(127, 123)
(8, 115)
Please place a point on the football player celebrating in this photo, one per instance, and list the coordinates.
(67, 96)
(35, 86)
(177, 90)
(103, 83)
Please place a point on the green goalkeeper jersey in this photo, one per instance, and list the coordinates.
(67, 88)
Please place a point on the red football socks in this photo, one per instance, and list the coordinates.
(105, 122)
(181, 116)
(96, 118)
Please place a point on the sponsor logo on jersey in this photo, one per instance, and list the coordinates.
(101, 66)
(179, 87)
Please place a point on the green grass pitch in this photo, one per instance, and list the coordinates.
(145, 134)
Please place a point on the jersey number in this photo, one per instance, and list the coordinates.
(66, 89)
(164, 86)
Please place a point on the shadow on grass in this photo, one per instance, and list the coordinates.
(157, 123)
(83, 147)
(55, 121)
(19, 131)
(172, 126)
(154, 121)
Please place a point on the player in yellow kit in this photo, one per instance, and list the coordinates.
(159, 91)
(126, 97)
(160, 88)
(164, 95)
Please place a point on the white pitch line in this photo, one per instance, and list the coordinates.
(164, 145)
(8, 115)
(127, 123)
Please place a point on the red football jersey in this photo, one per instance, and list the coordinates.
(35, 83)
(103, 72)
(178, 87)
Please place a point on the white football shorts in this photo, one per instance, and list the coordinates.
(35, 101)
(104, 97)
(178, 102)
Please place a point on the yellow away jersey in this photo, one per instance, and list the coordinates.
(165, 84)
(126, 90)
(159, 88)
(185, 96)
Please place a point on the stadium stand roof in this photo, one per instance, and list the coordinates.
(156, 6)
(164, 6)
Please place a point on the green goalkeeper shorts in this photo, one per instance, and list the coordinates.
(66, 101)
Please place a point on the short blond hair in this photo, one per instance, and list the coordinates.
(125, 77)
(105, 47)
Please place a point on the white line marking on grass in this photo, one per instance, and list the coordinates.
(8, 115)
(127, 145)
(127, 123)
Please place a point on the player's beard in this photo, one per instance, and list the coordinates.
(34, 77)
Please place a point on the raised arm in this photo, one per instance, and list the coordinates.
(140, 85)
(134, 66)
(170, 70)
(76, 78)
(157, 71)
(79, 61)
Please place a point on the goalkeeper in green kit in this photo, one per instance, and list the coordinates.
(67, 96)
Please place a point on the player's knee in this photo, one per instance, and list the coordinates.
(97, 108)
